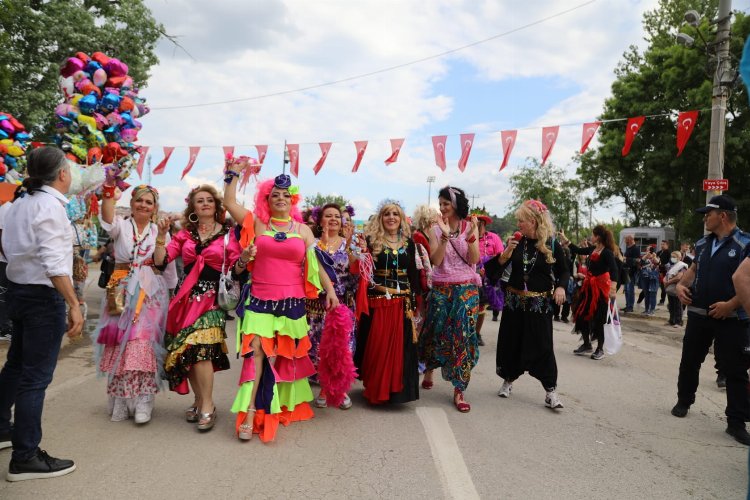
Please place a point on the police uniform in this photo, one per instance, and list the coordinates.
(716, 261)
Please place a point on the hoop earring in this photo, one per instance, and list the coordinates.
(190, 217)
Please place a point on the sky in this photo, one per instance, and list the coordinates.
(548, 67)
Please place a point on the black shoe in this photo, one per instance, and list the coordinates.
(721, 381)
(680, 410)
(39, 467)
(565, 320)
(556, 318)
(5, 441)
(739, 434)
(583, 350)
(494, 317)
(661, 302)
(598, 354)
(480, 341)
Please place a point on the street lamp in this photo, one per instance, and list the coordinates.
(430, 180)
(724, 77)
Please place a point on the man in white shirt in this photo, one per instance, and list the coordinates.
(6, 327)
(37, 243)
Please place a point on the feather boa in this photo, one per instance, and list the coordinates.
(335, 364)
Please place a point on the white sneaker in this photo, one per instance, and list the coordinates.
(119, 410)
(320, 402)
(505, 390)
(144, 404)
(552, 400)
(347, 403)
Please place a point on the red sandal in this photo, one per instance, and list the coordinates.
(427, 384)
(458, 400)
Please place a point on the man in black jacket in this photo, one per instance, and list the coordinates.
(664, 255)
(632, 258)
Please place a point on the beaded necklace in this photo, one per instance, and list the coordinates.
(528, 264)
(278, 234)
(138, 239)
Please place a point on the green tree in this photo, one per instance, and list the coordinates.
(549, 184)
(656, 185)
(322, 199)
(37, 36)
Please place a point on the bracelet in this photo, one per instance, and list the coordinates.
(160, 242)
(444, 237)
(229, 175)
(242, 263)
(108, 191)
(472, 239)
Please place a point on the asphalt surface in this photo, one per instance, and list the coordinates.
(615, 438)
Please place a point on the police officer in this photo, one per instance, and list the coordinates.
(715, 312)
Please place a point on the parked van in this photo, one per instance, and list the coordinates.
(648, 236)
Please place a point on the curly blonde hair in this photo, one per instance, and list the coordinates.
(424, 217)
(219, 216)
(533, 210)
(375, 232)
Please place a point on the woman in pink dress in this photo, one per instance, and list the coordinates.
(271, 325)
(195, 323)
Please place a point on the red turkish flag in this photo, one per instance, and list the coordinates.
(262, 150)
(361, 146)
(467, 140)
(549, 136)
(293, 159)
(589, 131)
(438, 144)
(228, 151)
(685, 124)
(395, 150)
(508, 137)
(634, 125)
(143, 152)
(163, 164)
(324, 148)
(193, 155)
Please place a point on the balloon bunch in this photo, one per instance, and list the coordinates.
(13, 141)
(97, 122)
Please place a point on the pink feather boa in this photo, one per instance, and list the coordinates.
(335, 364)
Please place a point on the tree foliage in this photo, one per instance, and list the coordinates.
(550, 185)
(37, 36)
(667, 78)
(323, 199)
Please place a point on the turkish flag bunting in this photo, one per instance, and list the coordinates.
(324, 148)
(467, 140)
(685, 123)
(293, 159)
(163, 164)
(361, 146)
(143, 152)
(589, 131)
(634, 125)
(438, 144)
(508, 137)
(395, 150)
(549, 136)
(262, 150)
(193, 155)
(228, 151)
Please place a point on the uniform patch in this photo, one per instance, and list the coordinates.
(732, 252)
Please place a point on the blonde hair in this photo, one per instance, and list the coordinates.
(545, 229)
(423, 218)
(375, 232)
(141, 191)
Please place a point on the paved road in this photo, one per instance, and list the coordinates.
(614, 439)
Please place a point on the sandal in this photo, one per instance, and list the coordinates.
(191, 414)
(427, 384)
(321, 401)
(207, 421)
(458, 400)
(245, 431)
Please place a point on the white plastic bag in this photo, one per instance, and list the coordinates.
(612, 331)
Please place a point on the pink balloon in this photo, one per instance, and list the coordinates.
(114, 118)
(129, 135)
(100, 77)
(115, 67)
(72, 64)
(101, 121)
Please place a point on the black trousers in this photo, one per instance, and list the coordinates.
(732, 337)
(565, 308)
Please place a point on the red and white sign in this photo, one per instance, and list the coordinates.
(716, 184)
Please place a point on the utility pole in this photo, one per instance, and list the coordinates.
(430, 180)
(722, 78)
(473, 197)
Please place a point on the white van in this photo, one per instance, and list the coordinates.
(648, 236)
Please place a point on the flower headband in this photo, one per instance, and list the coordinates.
(536, 205)
(145, 187)
(350, 210)
(191, 193)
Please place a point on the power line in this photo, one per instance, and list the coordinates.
(379, 71)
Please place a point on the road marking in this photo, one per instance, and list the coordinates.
(57, 389)
(454, 475)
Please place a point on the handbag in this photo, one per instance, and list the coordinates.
(116, 297)
(229, 291)
(80, 269)
(612, 330)
(107, 268)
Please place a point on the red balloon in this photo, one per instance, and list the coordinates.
(3, 168)
(95, 154)
(83, 57)
(517, 236)
(116, 81)
(126, 104)
(100, 57)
